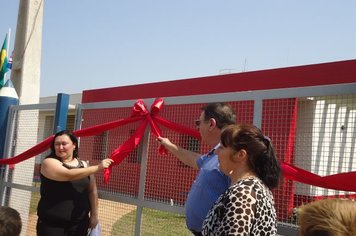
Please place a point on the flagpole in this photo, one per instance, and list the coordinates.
(8, 39)
(7, 48)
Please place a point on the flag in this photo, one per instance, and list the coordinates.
(3, 62)
(9, 63)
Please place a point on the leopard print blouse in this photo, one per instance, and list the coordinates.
(246, 208)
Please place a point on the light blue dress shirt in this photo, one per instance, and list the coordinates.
(209, 184)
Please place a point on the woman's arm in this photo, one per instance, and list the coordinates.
(93, 199)
(53, 169)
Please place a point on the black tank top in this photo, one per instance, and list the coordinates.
(64, 202)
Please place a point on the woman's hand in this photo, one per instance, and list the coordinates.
(105, 163)
(93, 221)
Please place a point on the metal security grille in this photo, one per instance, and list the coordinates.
(28, 125)
(325, 142)
(311, 128)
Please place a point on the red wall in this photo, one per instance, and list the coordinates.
(173, 181)
(299, 76)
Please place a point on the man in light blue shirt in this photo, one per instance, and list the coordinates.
(210, 182)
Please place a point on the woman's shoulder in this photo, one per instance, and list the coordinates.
(250, 181)
(248, 185)
(83, 163)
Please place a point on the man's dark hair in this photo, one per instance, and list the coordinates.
(10, 221)
(222, 113)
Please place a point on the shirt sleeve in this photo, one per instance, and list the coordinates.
(200, 160)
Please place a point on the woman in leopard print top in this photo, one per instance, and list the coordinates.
(247, 207)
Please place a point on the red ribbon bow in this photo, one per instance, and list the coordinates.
(139, 111)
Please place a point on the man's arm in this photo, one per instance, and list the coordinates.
(187, 157)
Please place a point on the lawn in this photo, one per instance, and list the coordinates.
(153, 223)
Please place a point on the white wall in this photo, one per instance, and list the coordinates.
(326, 139)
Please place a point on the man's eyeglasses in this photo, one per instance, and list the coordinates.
(197, 123)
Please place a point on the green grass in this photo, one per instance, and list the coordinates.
(153, 223)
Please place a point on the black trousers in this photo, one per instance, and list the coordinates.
(196, 233)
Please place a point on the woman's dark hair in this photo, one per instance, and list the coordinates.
(260, 152)
(71, 136)
(222, 113)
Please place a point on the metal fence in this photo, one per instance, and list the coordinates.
(19, 185)
(311, 127)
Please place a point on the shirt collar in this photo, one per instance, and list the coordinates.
(211, 152)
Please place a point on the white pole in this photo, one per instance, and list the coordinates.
(7, 53)
(8, 39)
(25, 76)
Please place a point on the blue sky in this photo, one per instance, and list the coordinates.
(124, 42)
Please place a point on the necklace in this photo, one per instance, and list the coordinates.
(72, 166)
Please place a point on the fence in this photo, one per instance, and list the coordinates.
(310, 127)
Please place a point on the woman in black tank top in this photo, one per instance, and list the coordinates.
(69, 200)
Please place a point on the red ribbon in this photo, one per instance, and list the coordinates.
(139, 113)
(342, 181)
(39, 148)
